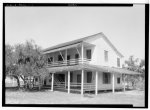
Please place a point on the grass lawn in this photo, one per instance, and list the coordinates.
(47, 97)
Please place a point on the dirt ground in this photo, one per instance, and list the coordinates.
(47, 97)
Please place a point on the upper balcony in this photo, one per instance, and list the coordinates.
(70, 62)
(70, 55)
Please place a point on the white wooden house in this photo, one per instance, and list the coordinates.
(88, 64)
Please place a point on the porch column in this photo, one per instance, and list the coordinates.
(82, 52)
(13, 81)
(66, 57)
(124, 86)
(52, 83)
(68, 81)
(82, 81)
(96, 83)
(65, 81)
(113, 83)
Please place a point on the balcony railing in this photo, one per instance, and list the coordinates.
(68, 62)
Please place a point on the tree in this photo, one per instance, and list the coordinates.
(8, 57)
(134, 64)
(142, 67)
(27, 61)
(10, 63)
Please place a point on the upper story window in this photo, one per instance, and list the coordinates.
(50, 59)
(106, 78)
(88, 54)
(76, 56)
(68, 58)
(106, 55)
(60, 58)
(118, 62)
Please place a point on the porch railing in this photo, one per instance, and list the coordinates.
(68, 62)
(75, 86)
(89, 86)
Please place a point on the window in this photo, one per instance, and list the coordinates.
(76, 56)
(118, 62)
(78, 78)
(50, 59)
(88, 54)
(60, 58)
(71, 76)
(89, 77)
(68, 58)
(106, 78)
(106, 55)
(118, 80)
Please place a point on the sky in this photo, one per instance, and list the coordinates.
(48, 26)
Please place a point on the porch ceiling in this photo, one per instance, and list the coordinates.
(85, 44)
(63, 48)
(91, 68)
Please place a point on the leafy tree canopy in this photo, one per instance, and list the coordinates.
(135, 64)
(25, 60)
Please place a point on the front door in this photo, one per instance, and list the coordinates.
(78, 78)
(79, 81)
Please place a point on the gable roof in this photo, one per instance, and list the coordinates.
(82, 40)
(111, 45)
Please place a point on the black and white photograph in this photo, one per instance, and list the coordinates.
(74, 54)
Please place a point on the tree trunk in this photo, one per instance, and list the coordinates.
(40, 83)
(22, 79)
(18, 82)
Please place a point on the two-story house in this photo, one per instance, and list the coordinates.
(88, 64)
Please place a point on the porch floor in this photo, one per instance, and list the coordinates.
(78, 90)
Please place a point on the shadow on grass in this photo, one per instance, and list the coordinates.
(11, 88)
(89, 94)
(15, 89)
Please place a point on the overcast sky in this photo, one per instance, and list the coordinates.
(48, 26)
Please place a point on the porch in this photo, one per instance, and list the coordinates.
(66, 83)
(71, 81)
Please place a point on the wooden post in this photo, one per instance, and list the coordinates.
(68, 81)
(65, 80)
(66, 56)
(96, 83)
(39, 80)
(82, 53)
(82, 81)
(52, 83)
(124, 86)
(113, 83)
(13, 81)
